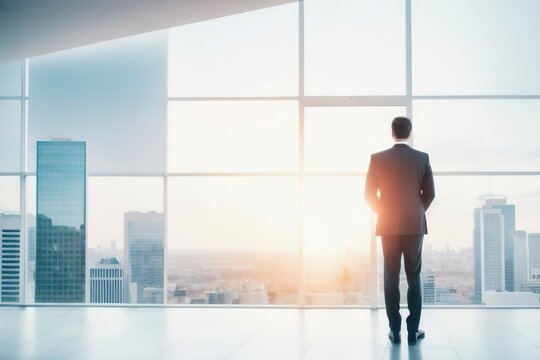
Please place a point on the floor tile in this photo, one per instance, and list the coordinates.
(352, 335)
(198, 353)
(419, 352)
(530, 331)
(495, 353)
(268, 353)
(345, 353)
(221, 336)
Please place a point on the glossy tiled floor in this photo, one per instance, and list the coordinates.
(337, 334)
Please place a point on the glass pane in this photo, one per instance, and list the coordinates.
(112, 95)
(521, 249)
(524, 192)
(10, 240)
(233, 136)
(448, 257)
(343, 138)
(31, 239)
(10, 78)
(249, 54)
(476, 47)
(448, 267)
(478, 134)
(233, 240)
(482, 256)
(9, 194)
(337, 241)
(10, 135)
(355, 47)
(122, 266)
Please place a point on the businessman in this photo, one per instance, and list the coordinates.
(400, 188)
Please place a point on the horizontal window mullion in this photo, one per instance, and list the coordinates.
(307, 173)
(16, 97)
(233, 98)
(180, 174)
(476, 97)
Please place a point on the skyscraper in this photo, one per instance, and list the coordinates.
(144, 254)
(429, 291)
(534, 255)
(31, 238)
(61, 221)
(509, 218)
(477, 296)
(521, 260)
(220, 297)
(10, 257)
(489, 247)
(107, 283)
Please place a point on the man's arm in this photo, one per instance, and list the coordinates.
(428, 186)
(371, 188)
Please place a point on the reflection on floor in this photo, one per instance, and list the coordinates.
(218, 333)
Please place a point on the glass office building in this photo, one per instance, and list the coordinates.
(61, 222)
(10, 257)
(144, 251)
(107, 282)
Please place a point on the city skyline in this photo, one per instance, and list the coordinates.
(348, 284)
(444, 289)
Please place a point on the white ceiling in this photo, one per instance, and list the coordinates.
(34, 27)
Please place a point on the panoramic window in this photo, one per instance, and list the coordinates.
(224, 160)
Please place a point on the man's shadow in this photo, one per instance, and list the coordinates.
(398, 352)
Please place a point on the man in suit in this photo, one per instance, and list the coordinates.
(400, 188)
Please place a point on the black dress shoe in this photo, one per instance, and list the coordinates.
(413, 337)
(394, 336)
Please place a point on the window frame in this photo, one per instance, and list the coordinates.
(303, 103)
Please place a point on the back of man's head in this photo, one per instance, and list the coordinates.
(401, 127)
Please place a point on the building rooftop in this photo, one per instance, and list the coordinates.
(109, 261)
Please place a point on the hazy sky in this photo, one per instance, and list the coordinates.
(476, 47)
(354, 47)
(10, 134)
(250, 54)
(114, 96)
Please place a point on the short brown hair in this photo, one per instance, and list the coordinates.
(401, 127)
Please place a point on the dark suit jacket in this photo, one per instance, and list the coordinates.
(404, 180)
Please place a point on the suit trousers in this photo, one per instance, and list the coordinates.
(411, 248)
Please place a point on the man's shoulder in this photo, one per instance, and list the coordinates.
(420, 153)
(394, 150)
(381, 153)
